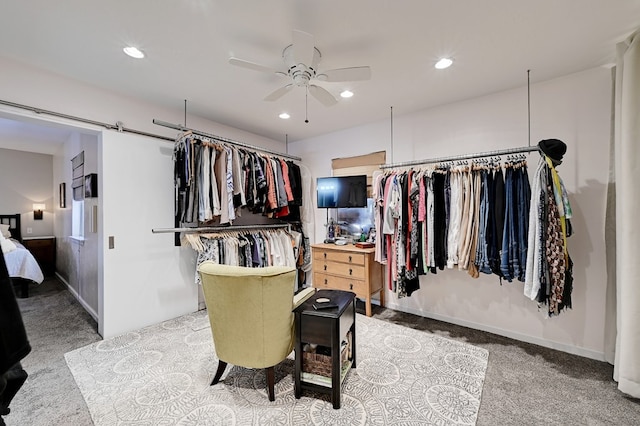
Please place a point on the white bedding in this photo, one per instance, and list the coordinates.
(22, 264)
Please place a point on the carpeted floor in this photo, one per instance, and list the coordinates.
(56, 324)
(161, 374)
(524, 383)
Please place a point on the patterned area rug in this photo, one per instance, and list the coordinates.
(160, 375)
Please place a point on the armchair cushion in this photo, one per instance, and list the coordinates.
(250, 311)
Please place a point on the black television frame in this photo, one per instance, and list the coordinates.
(337, 192)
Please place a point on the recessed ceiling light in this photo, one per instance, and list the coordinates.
(443, 63)
(284, 116)
(134, 52)
(346, 94)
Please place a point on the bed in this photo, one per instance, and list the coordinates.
(22, 266)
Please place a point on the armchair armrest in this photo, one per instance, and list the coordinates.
(302, 296)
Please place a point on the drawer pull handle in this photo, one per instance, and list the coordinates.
(350, 259)
(350, 271)
(350, 286)
(325, 267)
(325, 281)
(325, 255)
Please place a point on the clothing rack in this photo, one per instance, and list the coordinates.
(498, 152)
(222, 228)
(225, 140)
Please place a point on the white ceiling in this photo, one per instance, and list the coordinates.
(27, 136)
(188, 43)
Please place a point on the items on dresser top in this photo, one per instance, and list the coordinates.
(348, 268)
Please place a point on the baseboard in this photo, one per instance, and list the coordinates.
(80, 300)
(587, 353)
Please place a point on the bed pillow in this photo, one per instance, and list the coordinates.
(4, 230)
(7, 245)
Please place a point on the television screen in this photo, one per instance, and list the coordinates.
(342, 191)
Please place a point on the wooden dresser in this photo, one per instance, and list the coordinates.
(348, 268)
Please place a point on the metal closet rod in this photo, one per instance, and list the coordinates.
(221, 139)
(221, 228)
(497, 152)
(118, 126)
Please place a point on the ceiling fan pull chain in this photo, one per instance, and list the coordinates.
(306, 105)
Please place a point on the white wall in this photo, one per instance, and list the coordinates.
(575, 109)
(144, 279)
(25, 179)
(77, 260)
(147, 279)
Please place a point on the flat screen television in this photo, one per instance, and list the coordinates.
(342, 191)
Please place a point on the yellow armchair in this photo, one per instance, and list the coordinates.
(250, 311)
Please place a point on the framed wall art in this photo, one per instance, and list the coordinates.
(91, 185)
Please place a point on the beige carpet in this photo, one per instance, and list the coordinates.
(160, 375)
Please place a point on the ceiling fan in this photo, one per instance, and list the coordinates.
(302, 59)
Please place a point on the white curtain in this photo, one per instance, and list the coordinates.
(625, 210)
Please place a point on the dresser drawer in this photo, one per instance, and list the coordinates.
(325, 281)
(38, 243)
(339, 256)
(343, 269)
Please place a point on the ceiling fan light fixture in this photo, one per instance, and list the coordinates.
(302, 59)
(134, 52)
(346, 93)
(443, 63)
(284, 116)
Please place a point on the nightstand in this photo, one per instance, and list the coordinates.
(44, 250)
(328, 328)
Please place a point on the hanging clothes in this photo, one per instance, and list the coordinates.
(549, 275)
(439, 219)
(456, 206)
(467, 216)
(494, 251)
(484, 218)
(247, 248)
(515, 232)
(213, 182)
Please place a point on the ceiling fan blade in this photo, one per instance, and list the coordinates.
(322, 95)
(251, 65)
(278, 93)
(346, 74)
(303, 47)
